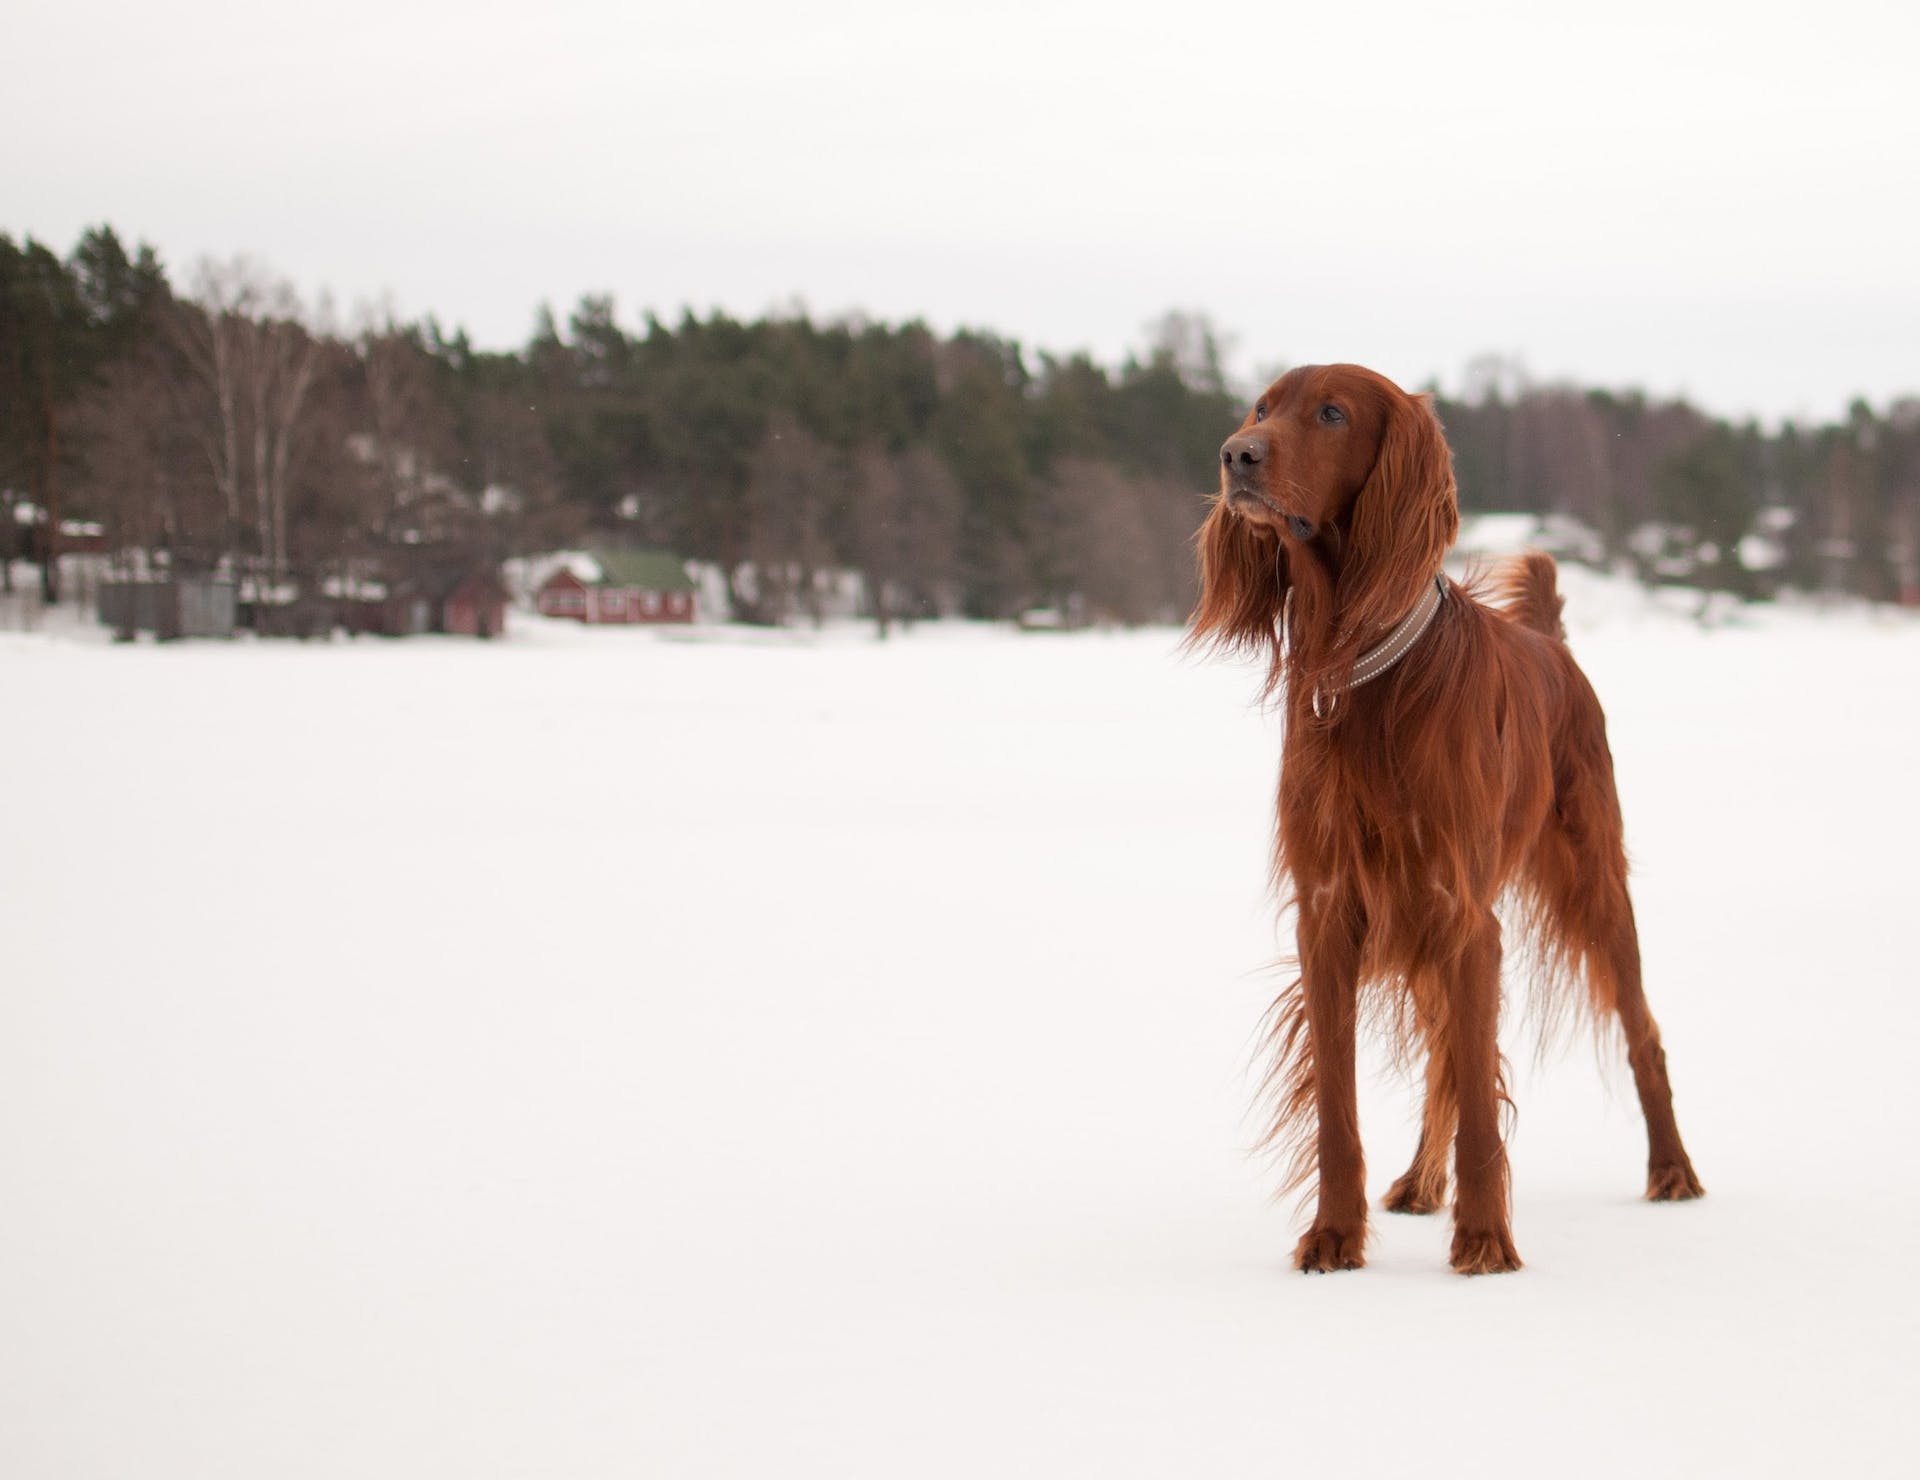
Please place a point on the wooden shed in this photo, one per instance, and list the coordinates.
(464, 599)
(169, 607)
(477, 606)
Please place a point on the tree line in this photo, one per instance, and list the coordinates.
(223, 424)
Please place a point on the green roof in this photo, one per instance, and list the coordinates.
(650, 570)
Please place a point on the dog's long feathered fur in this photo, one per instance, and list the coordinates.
(1476, 769)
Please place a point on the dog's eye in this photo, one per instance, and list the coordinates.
(1260, 412)
(1332, 415)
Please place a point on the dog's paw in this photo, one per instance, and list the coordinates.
(1483, 1252)
(1326, 1249)
(1410, 1195)
(1674, 1182)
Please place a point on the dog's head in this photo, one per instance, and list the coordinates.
(1337, 483)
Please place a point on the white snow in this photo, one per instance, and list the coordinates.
(602, 1055)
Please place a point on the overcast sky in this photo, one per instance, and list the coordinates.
(1721, 200)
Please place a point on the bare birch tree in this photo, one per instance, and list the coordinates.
(789, 491)
(253, 359)
(406, 424)
(904, 533)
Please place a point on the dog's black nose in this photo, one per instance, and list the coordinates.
(1242, 452)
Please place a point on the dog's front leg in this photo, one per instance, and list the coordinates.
(1332, 930)
(1482, 1243)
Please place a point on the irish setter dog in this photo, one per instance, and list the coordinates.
(1441, 754)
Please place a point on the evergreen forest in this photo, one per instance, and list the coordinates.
(217, 422)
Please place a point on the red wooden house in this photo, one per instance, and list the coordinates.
(632, 586)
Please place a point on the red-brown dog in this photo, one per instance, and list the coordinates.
(1440, 753)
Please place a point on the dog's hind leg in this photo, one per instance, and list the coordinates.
(1422, 1188)
(1614, 970)
(1580, 874)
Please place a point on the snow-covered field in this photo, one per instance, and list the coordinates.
(604, 1055)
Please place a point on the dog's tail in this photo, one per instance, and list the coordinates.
(1528, 589)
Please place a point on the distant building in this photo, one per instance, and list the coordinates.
(169, 607)
(477, 606)
(461, 599)
(632, 586)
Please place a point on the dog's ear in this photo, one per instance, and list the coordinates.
(1404, 520)
(1243, 589)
